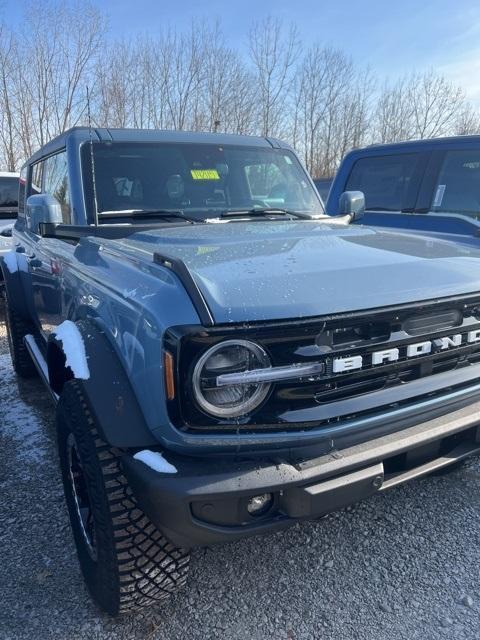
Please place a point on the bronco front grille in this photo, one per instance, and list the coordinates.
(337, 394)
(343, 387)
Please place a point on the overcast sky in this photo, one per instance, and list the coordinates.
(392, 37)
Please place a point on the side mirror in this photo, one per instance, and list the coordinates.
(352, 203)
(42, 208)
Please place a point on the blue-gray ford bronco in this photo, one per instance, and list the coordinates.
(225, 359)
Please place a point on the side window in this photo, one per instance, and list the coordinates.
(458, 186)
(55, 182)
(385, 181)
(36, 183)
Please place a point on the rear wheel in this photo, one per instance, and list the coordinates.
(17, 329)
(126, 562)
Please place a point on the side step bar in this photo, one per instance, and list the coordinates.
(40, 363)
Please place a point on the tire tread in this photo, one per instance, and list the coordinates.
(146, 567)
(17, 329)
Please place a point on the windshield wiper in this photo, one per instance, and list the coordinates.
(147, 213)
(263, 212)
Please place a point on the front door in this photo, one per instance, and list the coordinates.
(44, 257)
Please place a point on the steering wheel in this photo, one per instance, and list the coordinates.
(259, 203)
(278, 190)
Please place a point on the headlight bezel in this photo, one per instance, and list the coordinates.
(248, 405)
(285, 343)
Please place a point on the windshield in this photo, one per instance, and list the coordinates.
(9, 192)
(202, 180)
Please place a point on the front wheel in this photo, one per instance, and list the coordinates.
(17, 329)
(126, 562)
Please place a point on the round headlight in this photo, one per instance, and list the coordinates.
(230, 400)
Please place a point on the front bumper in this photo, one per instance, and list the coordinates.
(206, 500)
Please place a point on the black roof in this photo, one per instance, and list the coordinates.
(82, 134)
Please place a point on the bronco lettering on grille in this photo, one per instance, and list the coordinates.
(415, 350)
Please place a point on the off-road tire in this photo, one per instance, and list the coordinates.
(17, 329)
(135, 566)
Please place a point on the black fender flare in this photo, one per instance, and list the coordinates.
(108, 391)
(14, 289)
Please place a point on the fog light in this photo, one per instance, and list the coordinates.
(259, 504)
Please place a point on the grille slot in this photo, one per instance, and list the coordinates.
(420, 325)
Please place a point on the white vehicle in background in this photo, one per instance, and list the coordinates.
(9, 184)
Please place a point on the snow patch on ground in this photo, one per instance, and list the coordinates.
(20, 421)
(10, 259)
(74, 349)
(155, 461)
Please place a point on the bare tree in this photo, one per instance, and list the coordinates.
(8, 139)
(435, 104)
(418, 106)
(467, 121)
(193, 79)
(332, 108)
(227, 91)
(351, 120)
(114, 86)
(317, 90)
(393, 113)
(54, 59)
(273, 54)
(242, 101)
(181, 60)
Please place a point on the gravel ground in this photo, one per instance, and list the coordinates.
(403, 565)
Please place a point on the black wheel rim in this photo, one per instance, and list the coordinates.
(81, 498)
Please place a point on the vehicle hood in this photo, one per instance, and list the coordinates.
(253, 271)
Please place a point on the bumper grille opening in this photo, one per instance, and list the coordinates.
(426, 453)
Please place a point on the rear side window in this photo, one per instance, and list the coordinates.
(36, 183)
(55, 182)
(458, 186)
(386, 181)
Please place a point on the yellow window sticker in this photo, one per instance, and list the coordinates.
(203, 250)
(205, 174)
